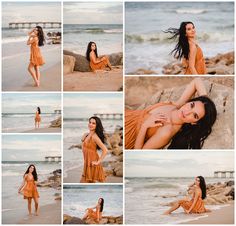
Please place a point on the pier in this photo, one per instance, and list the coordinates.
(53, 158)
(109, 115)
(20, 25)
(224, 174)
(57, 112)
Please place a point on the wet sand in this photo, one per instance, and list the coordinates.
(44, 130)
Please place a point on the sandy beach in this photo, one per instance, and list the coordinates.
(224, 215)
(48, 214)
(44, 130)
(75, 175)
(98, 81)
(15, 76)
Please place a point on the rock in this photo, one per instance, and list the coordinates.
(74, 220)
(230, 183)
(58, 198)
(79, 146)
(66, 217)
(118, 169)
(68, 64)
(82, 64)
(56, 123)
(230, 193)
(117, 151)
(142, 71)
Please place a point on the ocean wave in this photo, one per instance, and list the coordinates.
(164, 38)
(14, 39)
(14, 164)
(129, 190)
(11, 174)
(93, 31)
(151, 186)
(190, 11)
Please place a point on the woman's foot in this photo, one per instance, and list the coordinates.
(166, 212)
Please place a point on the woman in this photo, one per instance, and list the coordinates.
(185, 124)
(36, 39)
(93, 171)
(29, 188)
(37, 118)
(196, 204)
(95, 62)
(97, 214)
(188, 49)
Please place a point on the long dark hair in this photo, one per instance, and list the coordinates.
(34, 173)
(202, 186)
(101, 204)
(89, 50)
(193, 136)
(39, 110)
(99, 128)
(182, 47)
(40, 36)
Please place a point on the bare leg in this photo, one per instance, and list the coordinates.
(35, 124)
(36, 204)
(85, 215)
(29, 205)
(174, 207)
(31, 71)
(38, 124)
(36, 68)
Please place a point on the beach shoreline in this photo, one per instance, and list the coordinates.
(43, 130)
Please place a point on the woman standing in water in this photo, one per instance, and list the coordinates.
(187, 49)
(29, 188)
(37, 118)
(93, 170)
(97, 214)
(35, 40)
(196, 204)
(95, 62)
(185, 124)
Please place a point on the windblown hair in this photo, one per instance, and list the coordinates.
(182, 47)
(39, 110)
(40, 36)
(101, 205)
(202, 186)
(34, 173)
(99, 128)
(89, 50)
(193, 136)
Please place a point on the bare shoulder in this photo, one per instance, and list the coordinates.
(192, 46)
(84, 136)
(95, 137)
(165, 131)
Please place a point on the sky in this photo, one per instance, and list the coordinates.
(85, 105)
(30, 11)
(93, 12)
(177, 163)
(30, 147)
(28, 102)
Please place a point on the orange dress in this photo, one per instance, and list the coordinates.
(30, 189)
(91, 173)
(101, 65)
(133, 122)
(198, 208)
(93, 214)
(37, 117)
(199, 63)
(35, 54)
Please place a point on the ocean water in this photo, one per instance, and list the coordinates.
(14, 122)
(146, 199)
(73, 130)
(108, 37)
(76, 199)
(13, 204)
(148, 47)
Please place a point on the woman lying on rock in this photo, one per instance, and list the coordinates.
(196, 204)
(95, 62)
(185, 124)
(97, 214)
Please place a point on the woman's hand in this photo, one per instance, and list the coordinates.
(95, 163)
(154, 120)
(187, 211)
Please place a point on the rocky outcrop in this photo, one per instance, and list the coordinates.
(56, 123)
(105, 220)
(221, 64)
(68, 64)
(222, 135)
(53, 181)
(82, 64)
(220, 193)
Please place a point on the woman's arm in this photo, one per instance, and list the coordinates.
(196, 85)
(102, 146)
(93, 58)
(32, 39)
(196, 195)
(152, 121)
(192, 57)
(23, 184)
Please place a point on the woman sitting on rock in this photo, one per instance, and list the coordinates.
(97, 214)
(196, 204)
(96, 63)
(185, 124)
